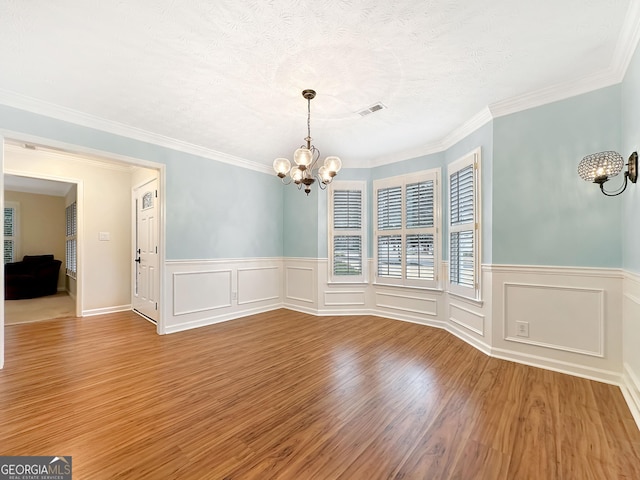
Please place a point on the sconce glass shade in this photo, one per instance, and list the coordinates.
(303, 157)
(333, 164)
(600, 167)
(281, 166)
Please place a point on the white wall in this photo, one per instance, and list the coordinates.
(104, 205)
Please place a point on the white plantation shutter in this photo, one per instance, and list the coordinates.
(390, 256)
(347, 209)
(390, 208)
(406, 234)
(10, 233)
(420, 204)
(462, 196)
(71, 243)
(462, 261)
(463, 225)
(420, 261)
(346, 231)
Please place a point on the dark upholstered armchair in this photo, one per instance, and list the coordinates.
(35, 276)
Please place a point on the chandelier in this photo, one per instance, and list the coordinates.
(305, 171)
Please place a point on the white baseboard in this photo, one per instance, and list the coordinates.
(203, 322)
(599, 375)
(105, 310)
(631, 390)
(474, 342)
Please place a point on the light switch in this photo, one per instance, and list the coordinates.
(105, 236)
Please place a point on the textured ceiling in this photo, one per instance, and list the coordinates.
(226, 75)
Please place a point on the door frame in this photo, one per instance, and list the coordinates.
(17, 138)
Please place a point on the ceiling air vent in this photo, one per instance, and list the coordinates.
(372, 109)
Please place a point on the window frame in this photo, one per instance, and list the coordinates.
(349, 185)
(403, 181)
(16, 230)
(472, 159)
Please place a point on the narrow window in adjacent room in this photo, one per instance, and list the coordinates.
(11, 244)
(464, 226)
(406, 232)
(71, 239)
(347, 239)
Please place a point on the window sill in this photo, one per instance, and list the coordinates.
(411, 287)
(343, 282)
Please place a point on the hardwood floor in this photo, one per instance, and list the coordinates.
(284, 395)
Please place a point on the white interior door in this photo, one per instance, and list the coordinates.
(146, 282)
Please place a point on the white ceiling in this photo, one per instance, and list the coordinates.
(224, 77)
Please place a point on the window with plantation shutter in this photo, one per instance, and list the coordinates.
(71, 243)
(11, 213)
(464, 233)
(347, 231)
(406, 233)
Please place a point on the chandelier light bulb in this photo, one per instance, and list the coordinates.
(281, 166)
(333, 164)
(325, 175)
(296, 174)
(303, 157)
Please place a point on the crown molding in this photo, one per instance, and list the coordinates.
(554, 93)
(65, 114)
(627, 41)
(446, 142)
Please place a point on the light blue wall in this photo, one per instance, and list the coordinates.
(301, 221)
(543, 212)
(631, 143)
(214, 210)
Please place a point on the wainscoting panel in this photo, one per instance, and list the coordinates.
(300, 284)
(567, 319)
(345, 298)
(200, 291)
(467, 318)
(258, 284)
(406, 301)
(564, 318)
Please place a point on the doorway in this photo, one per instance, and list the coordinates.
(104, 242)
(35, 211)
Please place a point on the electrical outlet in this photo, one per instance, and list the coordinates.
(522, 329)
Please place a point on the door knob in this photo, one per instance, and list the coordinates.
(137, 260)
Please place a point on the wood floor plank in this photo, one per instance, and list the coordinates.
(285, 395)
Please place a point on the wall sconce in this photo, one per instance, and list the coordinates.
(600, 167)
